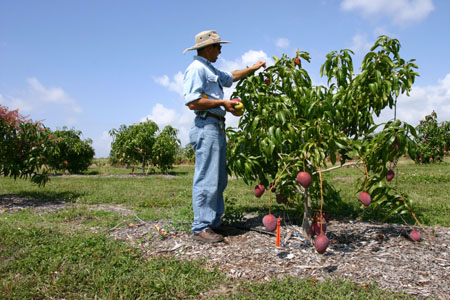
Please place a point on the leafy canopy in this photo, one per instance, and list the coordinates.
(291, 125)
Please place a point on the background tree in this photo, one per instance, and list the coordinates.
(432, 139)
(185, 154)
(446, 128)
(165, 149)
(70, 152)
(291, 126)
(134, 144)
(118, 151)
(23, 146)
(189, 153)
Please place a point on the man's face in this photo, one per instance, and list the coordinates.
(214, 52)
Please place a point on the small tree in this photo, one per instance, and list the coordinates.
(134, 144)
(433, 139)
(165, 148)
(118, 153)
(189, 153)
(23, 147)
(291, 126)
(70, 152)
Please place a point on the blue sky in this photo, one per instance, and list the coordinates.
(95, 65)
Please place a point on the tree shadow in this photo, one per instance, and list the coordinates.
(352, 241)
(37, 198)
(91, 172)
(170, 173)
(339, 241)
(379, 215)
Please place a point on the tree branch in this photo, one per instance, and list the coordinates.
(355, 163)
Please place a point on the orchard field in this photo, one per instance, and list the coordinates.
(56, 240)
(315, 151)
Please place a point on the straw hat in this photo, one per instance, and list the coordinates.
(206, 38)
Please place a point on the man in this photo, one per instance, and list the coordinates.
(203, 93)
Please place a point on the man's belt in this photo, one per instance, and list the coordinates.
(208, 114)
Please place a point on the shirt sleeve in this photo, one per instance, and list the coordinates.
(226, 78)
(193, 87)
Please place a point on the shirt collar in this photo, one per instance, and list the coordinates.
(202, 59)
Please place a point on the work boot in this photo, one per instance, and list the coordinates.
(208, 236)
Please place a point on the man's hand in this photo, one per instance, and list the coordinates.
(240, 74)
(229, 105)
(258, 65)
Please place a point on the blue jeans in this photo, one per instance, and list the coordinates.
(210, 176)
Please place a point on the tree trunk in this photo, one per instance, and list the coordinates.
(306, 225)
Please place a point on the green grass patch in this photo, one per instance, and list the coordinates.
(45, 263)
(295, 288)
(428, 186)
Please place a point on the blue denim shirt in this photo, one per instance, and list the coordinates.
(202, 78)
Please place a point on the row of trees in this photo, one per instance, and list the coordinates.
(145, 144)
(30, 150)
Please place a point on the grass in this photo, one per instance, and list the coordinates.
(295, 288)
(48, 255)
(427, 185)
(46, 262)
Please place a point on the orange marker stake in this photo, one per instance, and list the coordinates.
(278, 232)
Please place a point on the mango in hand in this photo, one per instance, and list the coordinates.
(238, 107)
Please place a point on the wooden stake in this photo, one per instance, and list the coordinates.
(278, 233)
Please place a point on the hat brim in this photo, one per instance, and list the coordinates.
(204, 45)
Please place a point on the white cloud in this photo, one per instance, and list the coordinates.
(246, 60)
(52, 95)
(175, 86)
(44, 103)
(252, 56)
(400, 11)
(422, 101)
(181, 119)
(282, 43)
(161, 115)
(16, 103)
(382, 30)
(360, 44)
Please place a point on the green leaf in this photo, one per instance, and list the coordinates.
(378, 77)
(394, 82)
(340, 145)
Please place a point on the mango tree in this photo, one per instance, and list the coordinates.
(134, 143)
(144, 143)
(432, 139)
(291, 126)
(70, 152)
(165, 149)
(23, 147)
